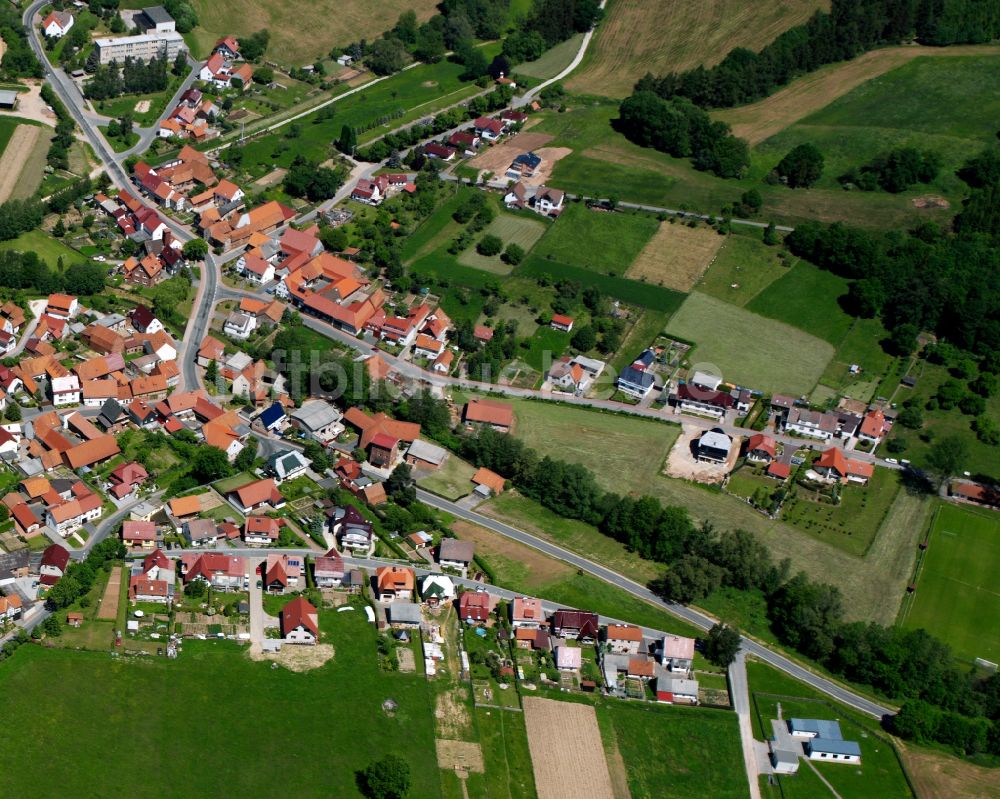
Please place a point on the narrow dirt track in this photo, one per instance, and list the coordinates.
(15, 155)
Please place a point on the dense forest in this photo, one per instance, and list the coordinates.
(18, 59)
(850, 28)
(927, 279)
(942, 701)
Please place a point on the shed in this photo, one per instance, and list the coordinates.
(8, 99)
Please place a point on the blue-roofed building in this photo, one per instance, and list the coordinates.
(645, 360)
(524, 165)
(833, 750)
(273, 417)
(815, 728)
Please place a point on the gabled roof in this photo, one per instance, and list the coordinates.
(90, 452)
(300, 613)
(56, 556)
(487, 411)
(255, 493)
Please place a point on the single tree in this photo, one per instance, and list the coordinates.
(802, 166)
(584, 339)
(721, 645)
(195, 250)
(388, 778)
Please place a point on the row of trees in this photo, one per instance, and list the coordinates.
(850, 28)
(928, 279)
(678, 127)
(18, 59)
(58, 155)
(896, 170)
(133, 77)
(79, 576)
(808, 616)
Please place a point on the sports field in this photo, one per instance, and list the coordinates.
(599, 240)
(145, 709)
(748, 349)
(300, 32)
(677, 256)
(957, 598)
(510, 229)
(637, 37)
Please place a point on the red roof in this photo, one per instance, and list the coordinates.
(562, 319)
(56, 556)
(299, 613)
(383, 441)
(474, 605)
(762, 443)
(780, 470)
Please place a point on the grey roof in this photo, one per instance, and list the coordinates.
(824, 728)
(283, 463)
(8, 97)
(157, 15)
(403, 612)
(427, 452)
(677, 685)
(635, 377)
(199, 529)
(453, 549)
(9, 561)
(834, 746)
(714, 439)
(785, 756)
(316, 415)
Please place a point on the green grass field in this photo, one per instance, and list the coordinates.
(517, 229)
(678, 752)
(956, 597)
(806, 297)
(880, 774)
(553, 61)
(260, 717)
(743, 268)
(601, 241)
(749, 349)
(853, 524)
(504, 742)
(419, 91)
(47, 248)
(451, 480)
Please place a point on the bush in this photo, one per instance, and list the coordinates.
(489, 245)
(513, 255)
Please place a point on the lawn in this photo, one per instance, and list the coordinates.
(956, 598)
(44, 701)
(637, 37)
(748, 349)
(853, 524)
(599, 240)
(545, 346)
(436, 230)
(504, 742)
(644, 331)
(861, 347)
(677, 752)
(228, 484)
(742, 269)
(807, 298)
(425, 87)
(519, 229)
(48, 248)
(329, 24)
(553, 60)
(880, 773)
(452, 480)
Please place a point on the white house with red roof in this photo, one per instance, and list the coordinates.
(873, 427)
(57, 24)
(55, 558)
(489, 129)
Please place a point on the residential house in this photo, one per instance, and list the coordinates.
(440, 151)
(455, 554)
(69, 516)
(873, 427)
(57, 24)
(383, 451)
(239, 325)
(261, 530)
(62, 306)
(287, 465)
(139, 534)
(328, 570)
(677, 653)
(352, 530)
(66, 390)
(393, 582)
(222, 572)
(489, 130)
(488, 483)
(319, 420)
(561, 322)
(761, 448)
(581, 625)
(714, 446)
(299, 622)
(692, 398)
(282, 572)
(569, 658)
(635, 382)
(569, 376)
(527, 612)
(126, 480)
(256, 495)
(548, 201)
(145, 321)
(623, 639)
(201, 532)
(55, 558)
(813, 424)
(833, 465)
(474, 607)
(436, 589)
(424, 455)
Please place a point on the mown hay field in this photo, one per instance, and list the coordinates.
(639, 36)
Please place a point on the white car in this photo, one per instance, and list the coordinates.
(891, 460)
(100, 258)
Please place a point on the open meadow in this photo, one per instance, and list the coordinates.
(519, 229)
(876, 582)
(23, 148)
(598, 240)
(677, 256)
(749, 349)
(47, 248)
(300, 32)
(144, 709)
(956, 597)
(638, 37)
